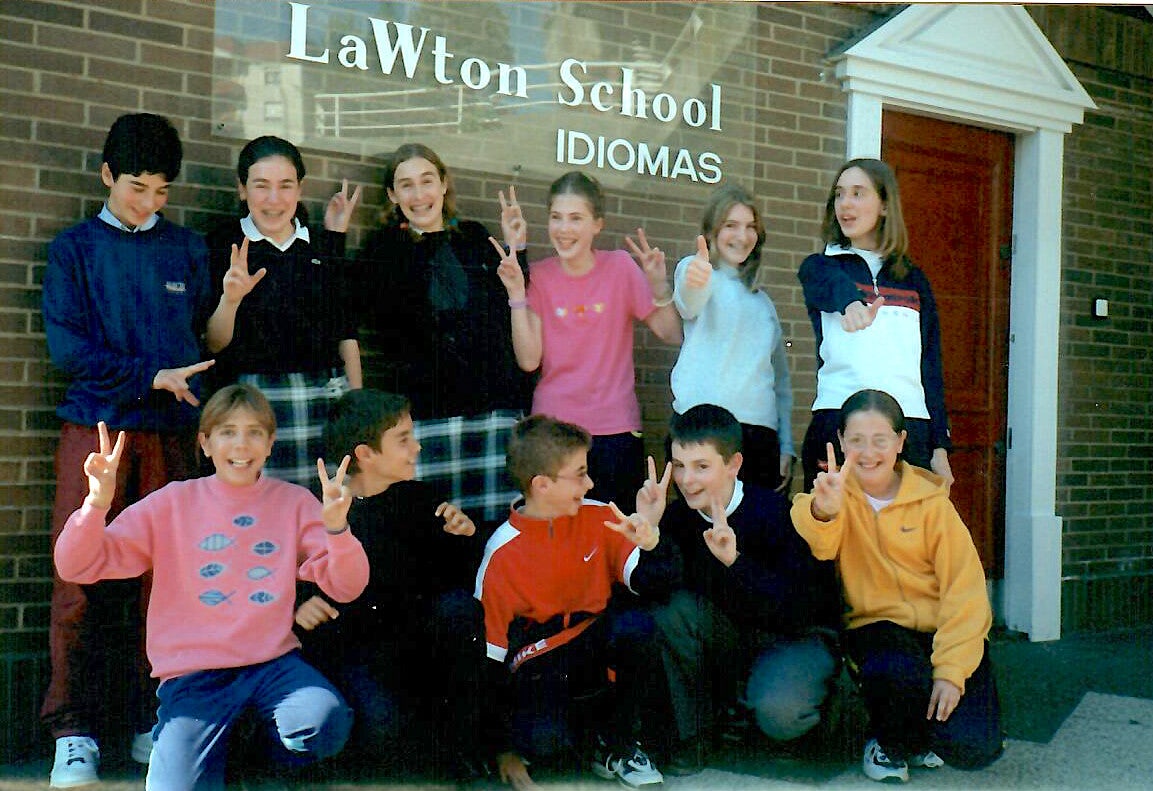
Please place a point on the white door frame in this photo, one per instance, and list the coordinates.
(991, 66)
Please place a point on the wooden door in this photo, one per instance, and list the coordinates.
(956, 193)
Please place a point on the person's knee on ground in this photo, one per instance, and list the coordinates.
(788, 685)
(311, 724)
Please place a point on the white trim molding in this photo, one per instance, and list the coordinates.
(991, 66)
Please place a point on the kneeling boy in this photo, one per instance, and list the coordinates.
(409, 652)
(755, 621)
(545, 582)
(225, 552)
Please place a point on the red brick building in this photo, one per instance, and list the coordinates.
(1029, 129)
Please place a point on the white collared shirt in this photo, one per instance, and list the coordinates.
(107, 216)
(248, 226)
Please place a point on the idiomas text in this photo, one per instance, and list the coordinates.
(396, 41)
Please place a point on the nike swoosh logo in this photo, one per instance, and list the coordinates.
(907, 529)
(589, 556)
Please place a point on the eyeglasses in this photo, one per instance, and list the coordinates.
(882, 443)
(579, 477)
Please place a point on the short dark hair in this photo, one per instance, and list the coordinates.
(539, 445)
(236, 396)
(143, 143)
(872, 401)
(262, 148)
(707, 423)
(361, 417)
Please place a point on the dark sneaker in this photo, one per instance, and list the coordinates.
(926, 760)
(688, 758)
(634, 770)
(878, 766)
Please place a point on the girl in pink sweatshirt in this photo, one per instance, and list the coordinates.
(225, 552)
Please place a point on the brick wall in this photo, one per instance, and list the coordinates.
(1105, 436)
(68, 69)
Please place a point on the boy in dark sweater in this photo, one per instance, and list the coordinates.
(407, 654)
(125, 300)
(756, 617)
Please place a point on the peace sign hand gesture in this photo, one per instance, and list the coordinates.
(720, 538)
(652, 261)
(101, 466)
(338, 213)
(652, 497)
(509, 271)
(699, 270)
(337, 497)
(512, 222)
(829, 487)
(238, 284)
(635, 528)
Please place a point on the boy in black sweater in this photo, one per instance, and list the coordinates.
(408, 653)
(756, 617)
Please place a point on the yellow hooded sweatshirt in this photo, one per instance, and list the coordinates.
(912, 563)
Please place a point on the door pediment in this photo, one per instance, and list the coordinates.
(990, 64)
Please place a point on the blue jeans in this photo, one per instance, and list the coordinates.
(709, 663)
(306, 719)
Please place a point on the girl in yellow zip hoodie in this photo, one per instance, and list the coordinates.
(918, 612)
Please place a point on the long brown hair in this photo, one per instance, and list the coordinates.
(393, 214)
(717, 209)
(892, 235)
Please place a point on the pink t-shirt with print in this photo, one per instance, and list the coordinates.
(587, 374)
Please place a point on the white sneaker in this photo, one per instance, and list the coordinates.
(878, 766)
(142, 747)
(77, 758)
(926, 760)
(634, 770)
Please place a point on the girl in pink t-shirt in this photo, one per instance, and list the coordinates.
(575, 324)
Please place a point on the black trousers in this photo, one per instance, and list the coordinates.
(895, 673)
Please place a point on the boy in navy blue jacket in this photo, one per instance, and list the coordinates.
(755, 618)
(125, 301)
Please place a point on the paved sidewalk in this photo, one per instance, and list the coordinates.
(1078, 713)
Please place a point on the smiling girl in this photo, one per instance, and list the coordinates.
(284, 321)
(734, 350)
(439, 318)
(575, 323)
(874, 317)
(918, 611)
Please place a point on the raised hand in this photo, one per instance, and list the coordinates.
(652, 261)
(314, 612)
(238, 283)
(101, 466)
(829, 487)
(635, 528)
(720, 538)
(338, 212)
(858, 315)
(699, 271)
(512, 222)
(337, 497)
(946, 695)
(456, 521)
(509, 271)
(652, 497)
(175, 380)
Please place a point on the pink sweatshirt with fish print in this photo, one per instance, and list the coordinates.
(224, 560)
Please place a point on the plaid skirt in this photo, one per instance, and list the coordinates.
(464, 458)
(301, 402)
